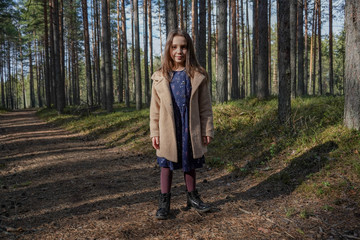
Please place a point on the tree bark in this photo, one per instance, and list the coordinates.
(87, 54)
(352, 68)
(146, 64)
(331, 52)
(221, 76)
(137, 58)
(150, 38)
(284, 107)
(60, 86)
(120, 88)
(47, 66)
(171, 16)
(107, 56)
(319, 48)
(234, 56)
(306, 58)
(293, 23)
(202, 34)
(125, 55)
(194, 26)
(255, 49)
(209, 47)
(263, 58)
(300, 85)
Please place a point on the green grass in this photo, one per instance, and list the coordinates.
(313, 155)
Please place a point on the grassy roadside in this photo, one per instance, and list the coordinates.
(314, 155)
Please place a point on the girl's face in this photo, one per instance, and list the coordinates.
(178, 51)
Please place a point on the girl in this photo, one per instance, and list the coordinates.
(181, 119)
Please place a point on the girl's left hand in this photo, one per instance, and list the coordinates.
(206, 140)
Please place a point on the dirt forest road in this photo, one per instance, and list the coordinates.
(57, 185)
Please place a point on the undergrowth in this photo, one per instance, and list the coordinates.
(313, 154)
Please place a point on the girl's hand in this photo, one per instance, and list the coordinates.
(155, 142)
(206, 140)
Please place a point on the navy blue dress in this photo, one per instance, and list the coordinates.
(180, 88)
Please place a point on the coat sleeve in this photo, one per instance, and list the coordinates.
(205, 110)
(154, 112)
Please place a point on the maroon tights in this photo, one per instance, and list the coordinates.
(166, 179)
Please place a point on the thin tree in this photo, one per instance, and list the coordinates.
(352, 68)
(293, 23)
(319, 48)
(221, 75)
(209, 46)
(87, 54)
(47, 66)
(234, 56)
(150, 38)
(194, 25)
(125, 55)
(146, 64)
(331, 51)
(255, 48)
(300, 35)
(243, 53)
(202, 34)
(107, 56)
(119, 55)
(284, 103)
(269, 43)
(263, 57)
(306, 50)
(137, 58)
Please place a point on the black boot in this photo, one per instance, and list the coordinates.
(164, 206)
(194, 200)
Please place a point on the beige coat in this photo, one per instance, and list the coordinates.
(162, 122)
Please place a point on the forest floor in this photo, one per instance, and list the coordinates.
(56, 184)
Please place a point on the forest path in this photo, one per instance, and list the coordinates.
(56, 185)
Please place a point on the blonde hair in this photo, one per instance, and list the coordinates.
(191, 63)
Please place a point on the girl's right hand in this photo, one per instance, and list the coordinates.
(156, 142)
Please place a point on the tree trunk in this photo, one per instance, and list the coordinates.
(293, 23)
(31, 80)
(284, 107)
(352, 68)
(194, 26)
(319, 48)
(119, 58)
(160, 32)
(248, 51)
(181, 13)
(171, 15)
(60, 86)
(255, 47)
(87, 54)
(300, 86)
(221, 76)
(53, 82)
(209, 47)
(202, 34)
(125, 55)
(263, 57)
(269, 43)
(146, 65)
(137, 57)
(107, 56)
(331, 67)
(47, 66)
(306, 58)
(150, 38)
(234, 56)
